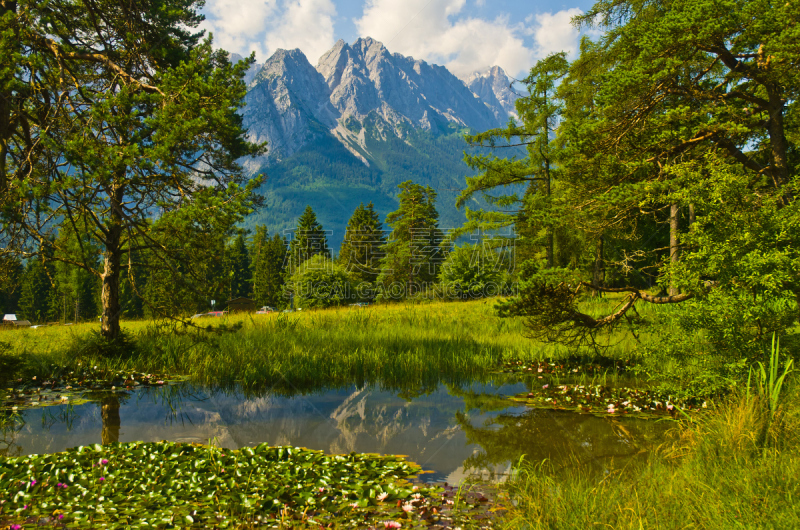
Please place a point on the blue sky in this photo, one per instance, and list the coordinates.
(464, 35)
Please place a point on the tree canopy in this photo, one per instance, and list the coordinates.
(118, 121)
(675, 160)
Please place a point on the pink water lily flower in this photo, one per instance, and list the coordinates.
(408, 507)
(382, 496)
(391, 524)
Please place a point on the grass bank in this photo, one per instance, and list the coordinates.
(396, 346)
(735, 467)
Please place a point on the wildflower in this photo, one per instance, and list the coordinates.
(33, 482)
(15, 527)
(670, 406)
(391, 524)
(60, 516)
(25, 507)
(102, 479)
(104, 461)
(382, 496)
(545, 386)
(540, 370)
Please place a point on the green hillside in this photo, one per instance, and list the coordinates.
(333, 181)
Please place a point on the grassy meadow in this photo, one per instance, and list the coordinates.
(735, 466)
(393, 345)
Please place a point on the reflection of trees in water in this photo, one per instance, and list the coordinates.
(109, 412)
(171, 397)
(10, 425)
(562, 437)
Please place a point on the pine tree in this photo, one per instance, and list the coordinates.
(267, 266)
(11, 272)
(309, 240)
(238, 268)
(416, 247)
(361, 249)
(35, 297)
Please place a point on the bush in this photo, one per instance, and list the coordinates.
(321, 282)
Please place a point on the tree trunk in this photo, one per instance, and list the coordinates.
(6, 128)
(599, 274)
(691, 214)
(109, 412)
(779, 146)
(674, 253)
(550, 250)
(109, 321)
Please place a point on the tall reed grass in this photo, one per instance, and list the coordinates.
(720, 471)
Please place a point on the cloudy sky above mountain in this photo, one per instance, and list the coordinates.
(464, 35)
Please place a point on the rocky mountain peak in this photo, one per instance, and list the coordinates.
(494, 87)
(290, 102)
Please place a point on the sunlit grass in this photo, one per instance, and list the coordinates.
(718, 472)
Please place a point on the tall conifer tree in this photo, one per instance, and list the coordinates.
(361, 248)
(269, 256)
(309, 240)
(34, 303)
(416, 247)
(238, 268)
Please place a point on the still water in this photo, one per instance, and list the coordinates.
(452, 432)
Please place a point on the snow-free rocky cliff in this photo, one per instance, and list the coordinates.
(290, 103)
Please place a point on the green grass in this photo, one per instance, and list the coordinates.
(397, 346)
(718, 472)
(735, 467)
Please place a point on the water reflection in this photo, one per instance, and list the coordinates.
(452, 431)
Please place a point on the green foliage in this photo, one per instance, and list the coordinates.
(470, 269)
(416, 247)
(11, 272)
(144, 125)
(34, 302)
(361, 251)
(309, 240)
(711, 474)
(770, 384)
(268, 267)
(667, 122)
(322, 282)
(164, 483)
(237, 265)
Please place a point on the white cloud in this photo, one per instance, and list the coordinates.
(554, 33)
(263, 26)
(433, 30)
(238, 24)
(304, 24)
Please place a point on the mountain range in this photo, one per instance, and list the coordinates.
(357, 124)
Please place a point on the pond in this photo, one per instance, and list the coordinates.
(453, 432)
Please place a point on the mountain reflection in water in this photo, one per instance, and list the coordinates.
(453, 432)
